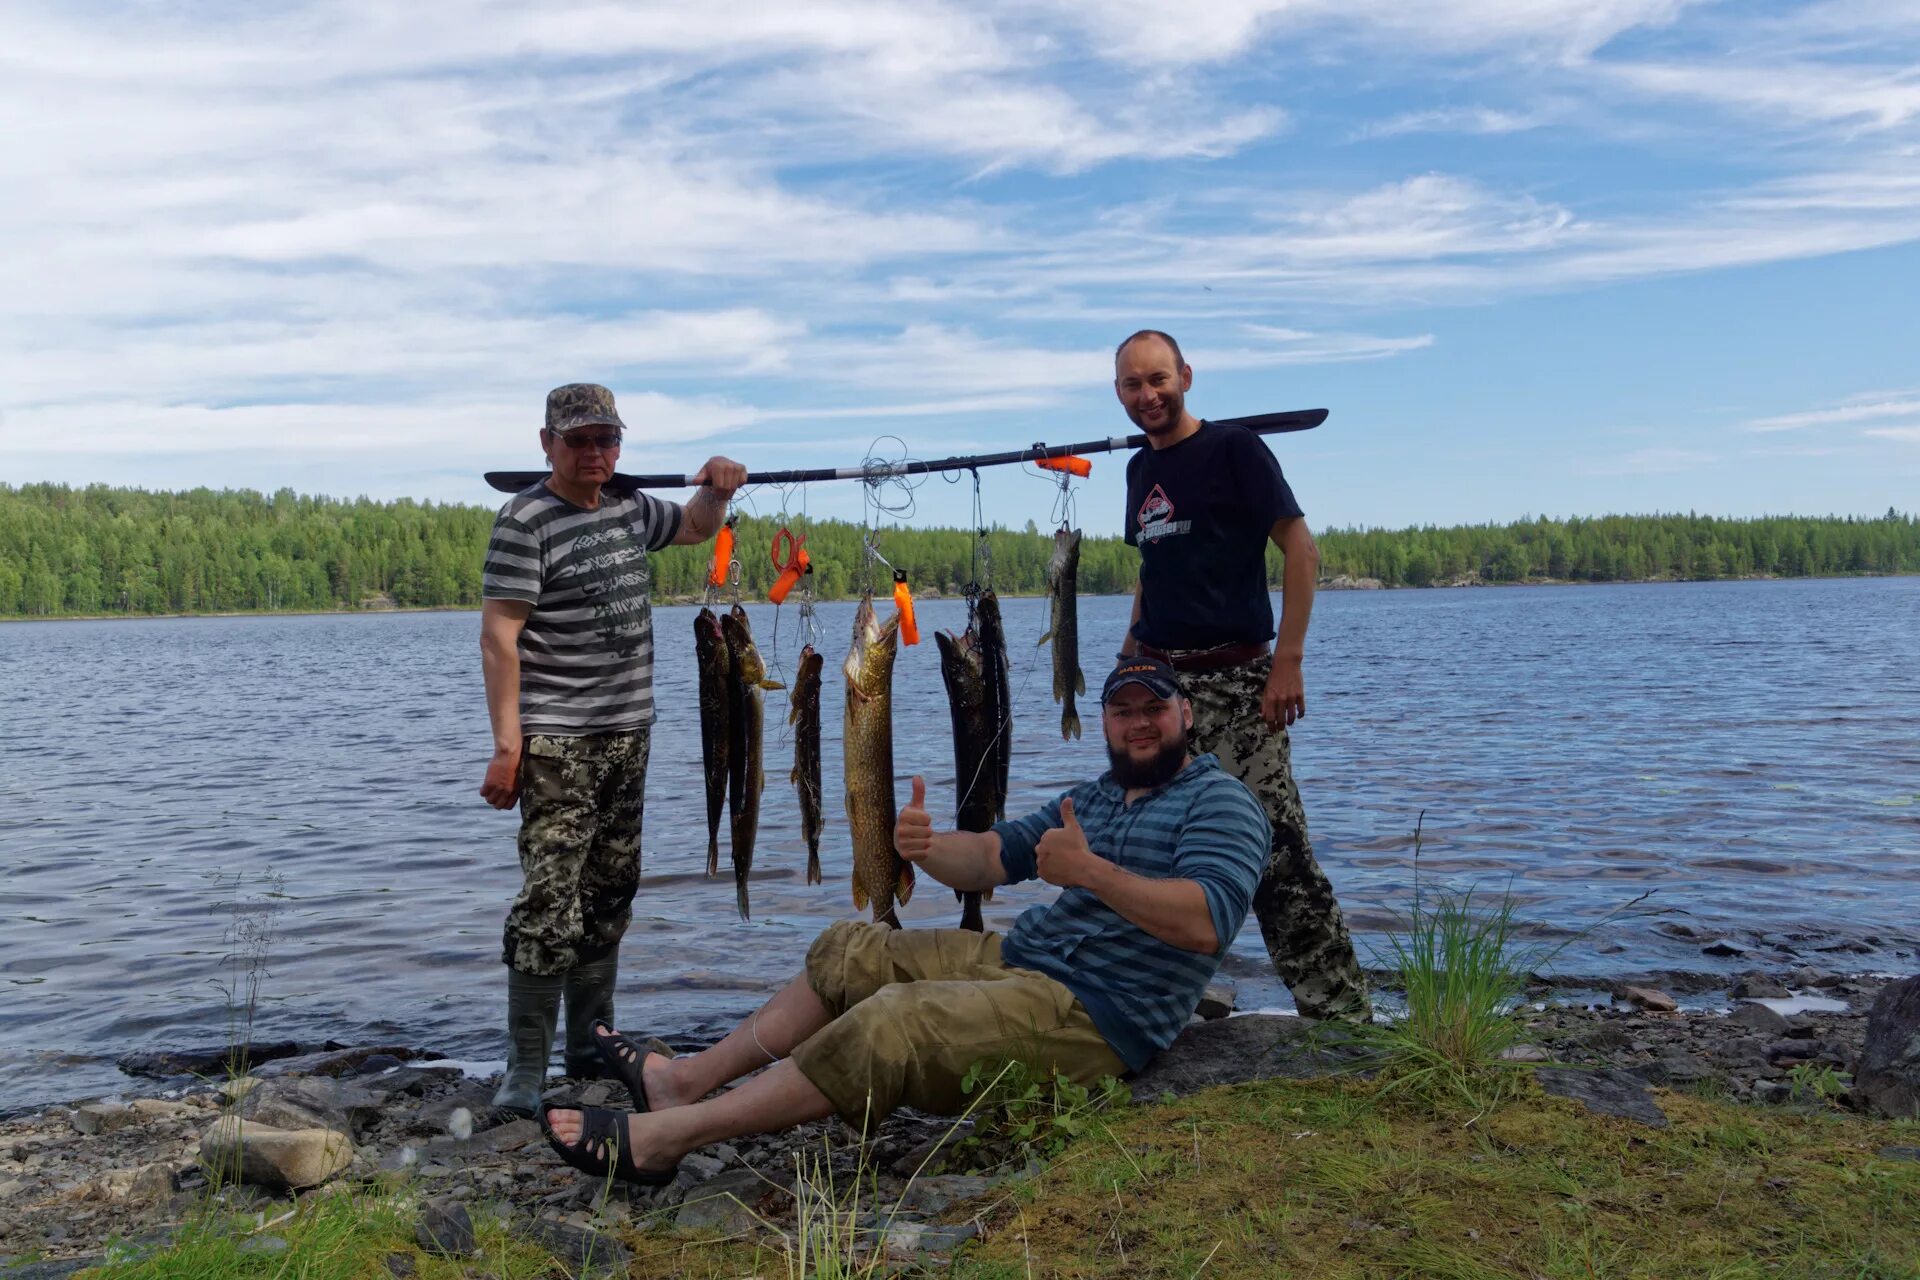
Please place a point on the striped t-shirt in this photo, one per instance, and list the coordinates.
(586, 653)
(1203, 826)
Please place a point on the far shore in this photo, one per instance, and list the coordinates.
(1340, 583)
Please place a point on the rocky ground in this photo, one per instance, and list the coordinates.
(74, 1179)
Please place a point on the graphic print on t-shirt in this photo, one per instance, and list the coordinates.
(1156, 517)
(611, 570)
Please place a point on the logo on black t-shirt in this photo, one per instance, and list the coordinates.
(1156, 509)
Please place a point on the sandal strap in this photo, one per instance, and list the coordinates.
(602, 1130)
(632, 1074)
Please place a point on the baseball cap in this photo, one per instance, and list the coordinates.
(581, 404)
(1154, 673)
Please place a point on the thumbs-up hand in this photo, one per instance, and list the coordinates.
(1062, 855)
(913, 829)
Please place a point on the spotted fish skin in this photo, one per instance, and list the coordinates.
(992, 643)
(881, 877)
(805, 719)
(715, 665)
(1063, 586)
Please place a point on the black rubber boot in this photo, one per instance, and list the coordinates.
(533, 1007)
(589, 995)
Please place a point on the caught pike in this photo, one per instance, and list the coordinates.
(993, 656)
(805, 719)
(964, 669)
(746, 729)
(1063, 585)
(716, 667)
(880, 876)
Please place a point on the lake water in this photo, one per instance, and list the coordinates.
(1750, 750)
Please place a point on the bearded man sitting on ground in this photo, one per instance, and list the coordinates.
(1156, 861)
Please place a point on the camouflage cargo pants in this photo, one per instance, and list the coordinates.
(1300, 920)
(581, 801)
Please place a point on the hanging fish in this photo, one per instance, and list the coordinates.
(974, 740)
(1063, 585)
(880, 876)
(716, 667)
(805, 719)
(992, 643)
(746, 733)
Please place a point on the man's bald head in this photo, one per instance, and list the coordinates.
(1178, 359)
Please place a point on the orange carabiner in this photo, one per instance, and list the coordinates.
(1067, 462)
(903, 601)
(790, 566)
(722, 555)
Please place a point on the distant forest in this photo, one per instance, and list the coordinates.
(101, 550)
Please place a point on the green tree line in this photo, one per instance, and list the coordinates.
(102, 550)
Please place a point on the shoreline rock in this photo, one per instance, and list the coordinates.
(68, 1185)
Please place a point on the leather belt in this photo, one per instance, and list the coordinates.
(1218, 658)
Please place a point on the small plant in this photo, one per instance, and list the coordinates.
(248, 938)
(1038, 1113)
(1816, 1084)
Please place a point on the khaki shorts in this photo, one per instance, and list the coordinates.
(915, 1008)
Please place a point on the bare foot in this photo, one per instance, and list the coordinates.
(568, 1125)
(657, 1071)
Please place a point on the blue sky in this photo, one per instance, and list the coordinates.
(1537, 256)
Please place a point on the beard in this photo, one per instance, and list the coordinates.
(1155, 771)
(1174, 404)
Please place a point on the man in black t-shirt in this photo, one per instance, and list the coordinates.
(1203, 502)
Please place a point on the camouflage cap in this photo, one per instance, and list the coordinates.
(581, 404)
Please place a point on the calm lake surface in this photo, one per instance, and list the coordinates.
(1750, 750)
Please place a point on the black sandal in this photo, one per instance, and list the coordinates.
(613, 1048)
(602, 1131)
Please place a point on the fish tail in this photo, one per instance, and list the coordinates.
(1043, 639)
(859, 892)
(1079, 680)
(813, 863)
(970, 913)
(887, 917)
(713, 855)
(1069, 722)
(903, 882)
(740, 895)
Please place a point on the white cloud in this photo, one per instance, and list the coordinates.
(1868, 411)
(1911, 434)
(1871, 97)
(1472, 120)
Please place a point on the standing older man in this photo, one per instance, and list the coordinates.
(1203, 502)
(566, 646)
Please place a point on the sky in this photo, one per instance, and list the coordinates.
(1560, 257)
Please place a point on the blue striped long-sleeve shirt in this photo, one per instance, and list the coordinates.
(1203, 826)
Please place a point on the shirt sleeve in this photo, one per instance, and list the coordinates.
(1020, 836)
(659, 518)
(513, 566)
(1264, 492)
(1223, 848)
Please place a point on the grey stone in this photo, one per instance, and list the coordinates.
(410, 1081)
(1604, 1093)
(700, 1168)
(911, 1239)
(1723, 947)
(1789, 1051)
(1808, 976)
(1758, 1019)
(1909, 1154)
(445, 1228)
(262, 1244)
(1673, 1067)
(1253, 1046)
(583, 1252)
(495, 1141)
(1801, 1027)
(1888, 1075)
(726, 1204)
(933, 1196)
(1217, 1000)
(314, 1102)
(1525, 1053)
(400, 1266)
(49, 1270)
(1758, 986)
(206, 1063)
(103, 1117)
(472, 1096)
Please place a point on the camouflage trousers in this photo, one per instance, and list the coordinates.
(1300, 921)
(581, 800)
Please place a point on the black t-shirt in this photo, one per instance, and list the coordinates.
(1201, 512)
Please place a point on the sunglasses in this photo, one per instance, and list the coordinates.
(606, 443)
